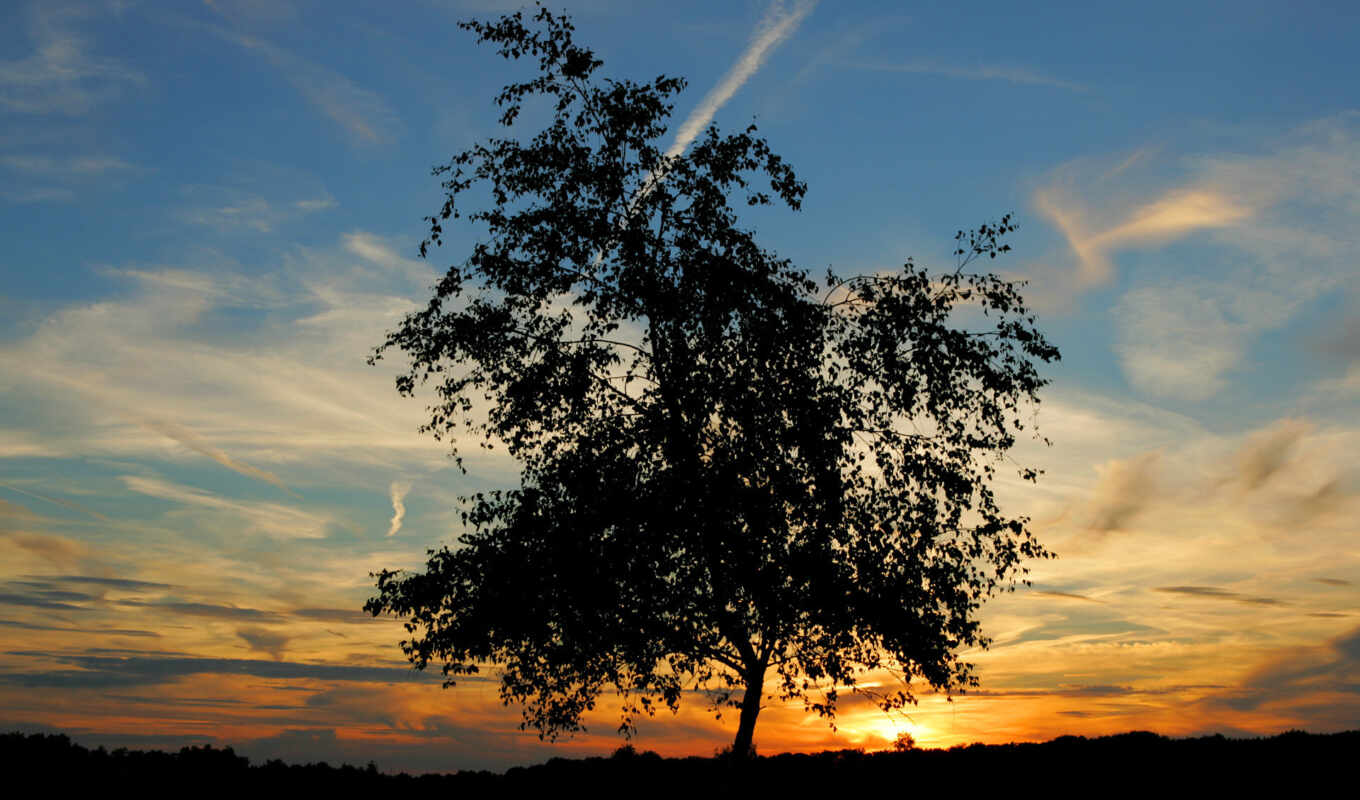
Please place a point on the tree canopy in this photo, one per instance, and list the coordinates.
(735, 479)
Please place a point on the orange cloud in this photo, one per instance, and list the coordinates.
(1175, 214)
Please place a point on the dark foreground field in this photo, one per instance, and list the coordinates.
(1067, 766)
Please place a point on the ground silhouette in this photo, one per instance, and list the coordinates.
(1066, 765)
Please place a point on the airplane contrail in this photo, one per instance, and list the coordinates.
(192, 441)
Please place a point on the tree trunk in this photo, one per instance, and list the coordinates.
(742, 749)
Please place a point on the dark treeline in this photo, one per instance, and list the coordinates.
(1067, 763)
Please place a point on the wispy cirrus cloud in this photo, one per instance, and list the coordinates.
(143, 670)
(156, 354)
(126, 584)
(1269, 229)
(1216, 593)
(976, 72)
(76, 167)
(194, 442)
(61, 75)
(1175, 214)
(362, 113)
(270, 518)
(56, 501)
(229, 209)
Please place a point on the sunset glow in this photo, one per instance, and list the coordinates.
(212, 212)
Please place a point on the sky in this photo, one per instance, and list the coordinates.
(211, 215)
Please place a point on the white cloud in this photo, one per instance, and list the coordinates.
(778, 24)
(398, 492)
(1175, 214)
(1271, 232)
(1178, 341)
(318, 204)
(287, 385)
(228, 209)
(60, 75)
(379, 252)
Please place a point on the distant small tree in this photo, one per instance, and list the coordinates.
(729, 474)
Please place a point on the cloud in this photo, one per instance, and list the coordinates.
(229, 209)
(46, 194)
(362, 113)
(1179, 343)
(978, 72)
(1219, 594)
(253, 213)
(14, 511)
(379, 252)
(264, 640)
(206, 610)
(398, 493)
(56, 501)
(54, 549)
(192, 441)
(1330, 497)
(1177, 213)
(1064, 595)
(48, 591)
(9, 599)
(60, 75)
(317, 204)
(1266, 452)
(1343, 342)
(286, 384)
(1329, 673)
(1125, 490)
(81, 167)
(269, 518)
(110, 583)
(43, 179)
(255, 616)
(1259, 236)
(9, 623)
(255, 11)
(777, 25)
(95, 672)
(335, 615)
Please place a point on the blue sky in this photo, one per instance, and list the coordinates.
(211, 215)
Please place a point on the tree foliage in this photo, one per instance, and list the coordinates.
(734, 478)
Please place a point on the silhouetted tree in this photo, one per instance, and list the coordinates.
(728, 470)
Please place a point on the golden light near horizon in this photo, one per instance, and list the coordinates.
(199, 472)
